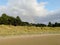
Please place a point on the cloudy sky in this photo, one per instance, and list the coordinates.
(33, 11)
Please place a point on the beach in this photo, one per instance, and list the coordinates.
(43, 39)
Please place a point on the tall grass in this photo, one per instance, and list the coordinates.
(6, 30)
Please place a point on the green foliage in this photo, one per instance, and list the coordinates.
(49, 24)
(4, 19)
(39, 25)
(18, 20)
(53, 25)
(9, 20)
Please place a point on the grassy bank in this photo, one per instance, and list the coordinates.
(6, 30)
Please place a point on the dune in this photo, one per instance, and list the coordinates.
(43, 39)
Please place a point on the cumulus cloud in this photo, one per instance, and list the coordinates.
(29, 10)
(27, 7)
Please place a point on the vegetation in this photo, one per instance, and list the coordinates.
(9, 20)
(15, 26)
(8, 30)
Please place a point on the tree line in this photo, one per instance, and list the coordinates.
(16, 21)
(9, 20)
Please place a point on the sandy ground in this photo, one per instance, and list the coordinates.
(43, 39)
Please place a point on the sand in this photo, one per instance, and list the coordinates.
(43, 39)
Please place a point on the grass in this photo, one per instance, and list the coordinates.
(6, 30)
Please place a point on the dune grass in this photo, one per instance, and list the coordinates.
(6, 30)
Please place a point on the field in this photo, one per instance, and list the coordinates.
(6, 30)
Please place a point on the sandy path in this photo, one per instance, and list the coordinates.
(45, 39)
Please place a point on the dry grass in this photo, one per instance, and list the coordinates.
(6, 30)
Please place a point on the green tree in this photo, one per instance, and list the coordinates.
(18, 20)
(4, 19)
(49, 24)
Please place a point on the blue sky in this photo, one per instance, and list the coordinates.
(52, 4)
(3, 2)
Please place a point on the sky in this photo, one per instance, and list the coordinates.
(3, 2)
(52, 4)
(33, 11)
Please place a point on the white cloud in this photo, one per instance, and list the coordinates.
(28, 10)
(29, 6)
